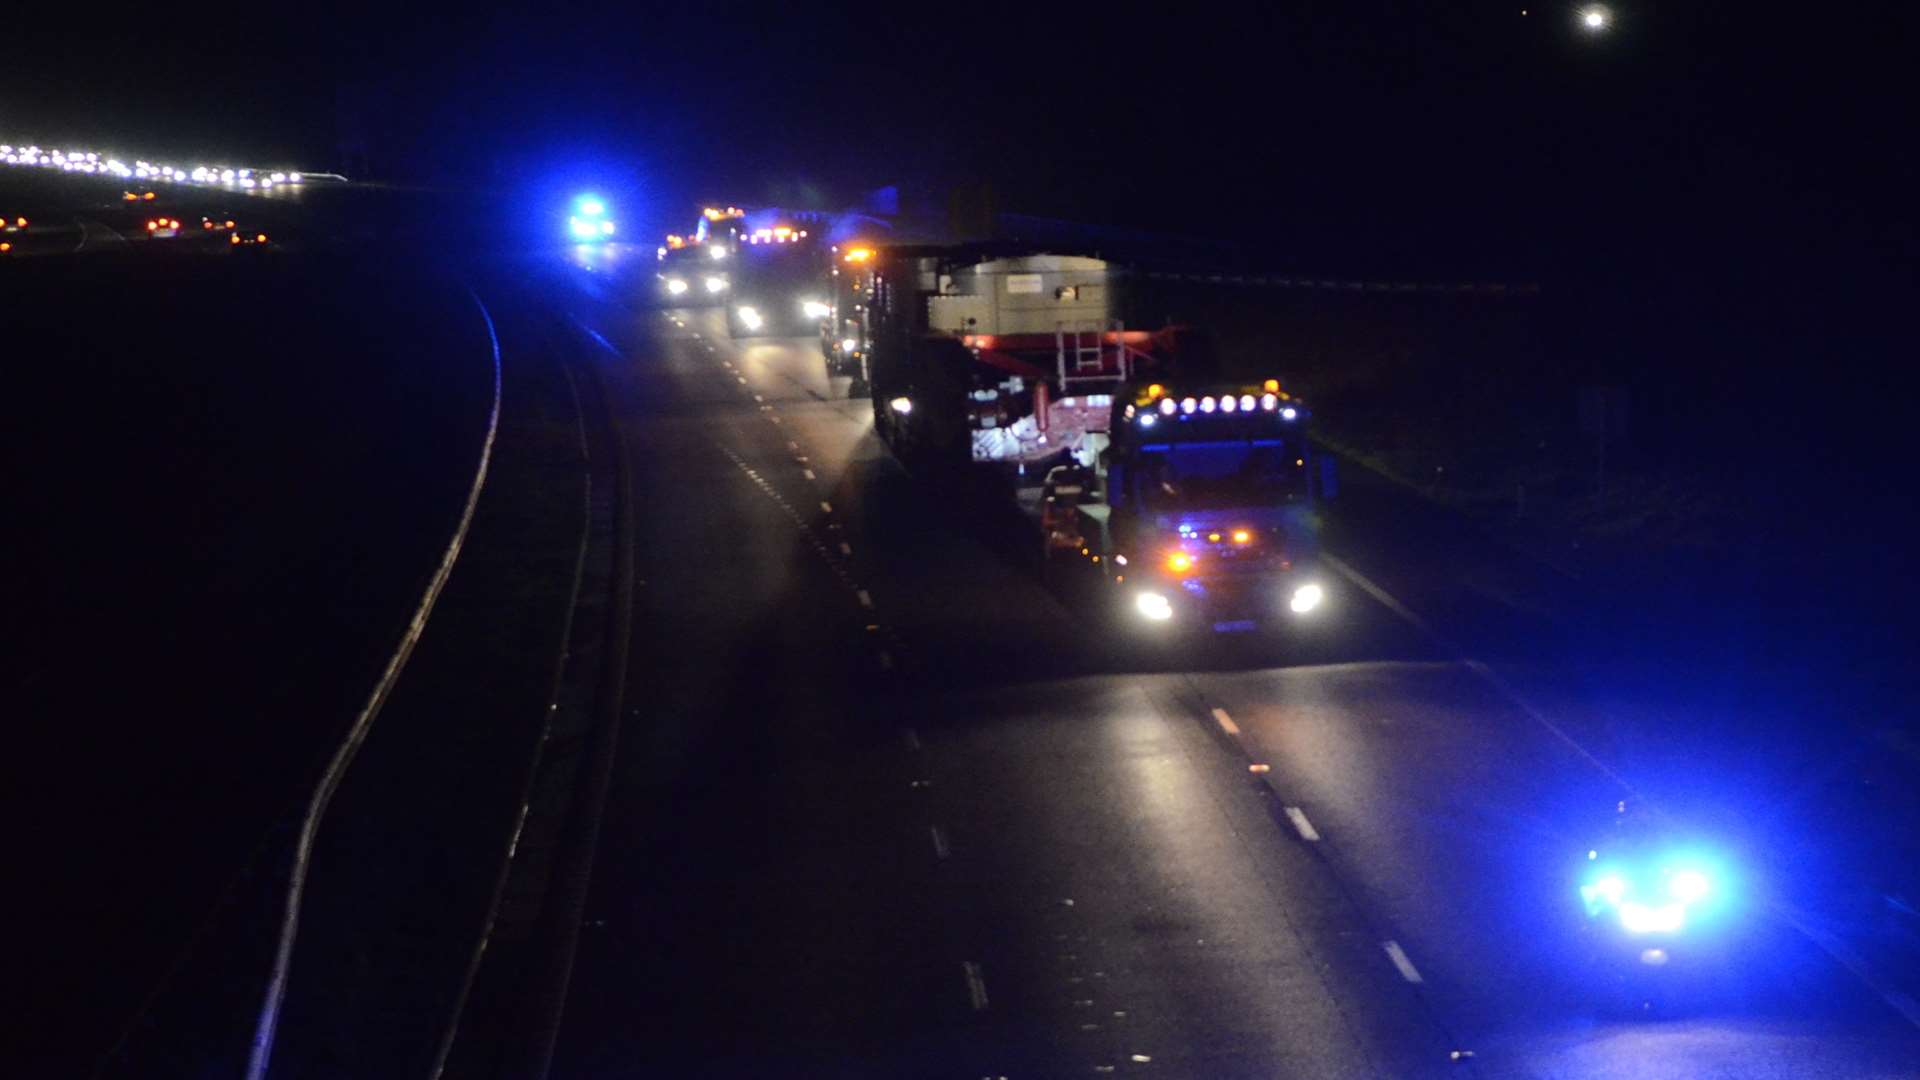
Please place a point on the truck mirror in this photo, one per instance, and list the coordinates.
(1329, 478)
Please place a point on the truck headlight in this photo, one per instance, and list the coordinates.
(814, 309)
(716, 284)
(848, 344)
(750, 318)
(1306, 598)
(1153, 606)
(676, 286)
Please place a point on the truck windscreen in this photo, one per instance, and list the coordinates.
(1220, 475)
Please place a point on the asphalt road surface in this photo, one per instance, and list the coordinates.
(887, 808)
(881, 803)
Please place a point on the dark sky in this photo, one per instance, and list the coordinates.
(1462, 137)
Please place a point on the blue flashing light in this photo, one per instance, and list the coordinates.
(1688, 886)
(1663, 895)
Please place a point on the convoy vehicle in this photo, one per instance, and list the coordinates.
(1187, 496)
(695, 268)
(777, 283)
(843, 329)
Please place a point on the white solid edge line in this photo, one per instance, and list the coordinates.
(1480, 670)
(1387, 599)
(1399, 957)
(260, 1054)
(1226, 722)
(940, 848)
(976, 984)
(1302, 826)
(1844, 955)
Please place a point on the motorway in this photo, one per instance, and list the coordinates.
(879, 802)
(891, 810)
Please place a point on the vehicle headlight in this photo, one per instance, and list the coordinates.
(1688, 886)
(814, 309)
(1153, 606)
(717, 251)
(583, 228)
(848, 344)
(716, 284)
(606, 228)
(1306, 598)
(750, 318)
(676, 286)
(1638, 918)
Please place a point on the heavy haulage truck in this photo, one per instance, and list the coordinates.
(1187, 496)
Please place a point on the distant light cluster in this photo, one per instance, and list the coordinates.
(87, 161)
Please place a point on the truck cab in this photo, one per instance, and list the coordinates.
(1200, 512)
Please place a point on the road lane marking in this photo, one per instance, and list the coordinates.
(886, 660)
(1399, 957)
(1302, 826)
(1846, 957)
(1226, 722)
(940, 848)
(845, 548)
(1387, 599)
(826, 507)
(756, 397)
(1482, 671)
(260, 1054)
(808, 473)
(866, 599)
(976, 985)
(912, 738)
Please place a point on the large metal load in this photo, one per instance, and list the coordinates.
(1187, 497)
(1000, 357)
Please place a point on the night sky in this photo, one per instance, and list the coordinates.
(1695, 163)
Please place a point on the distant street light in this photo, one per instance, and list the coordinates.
(1596, 18)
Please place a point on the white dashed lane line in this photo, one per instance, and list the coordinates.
(940, 848)
(1226, 722)
(1302, 826)
(976, 985)
(1399, 957)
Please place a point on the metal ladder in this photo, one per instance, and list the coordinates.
(1083, 343)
